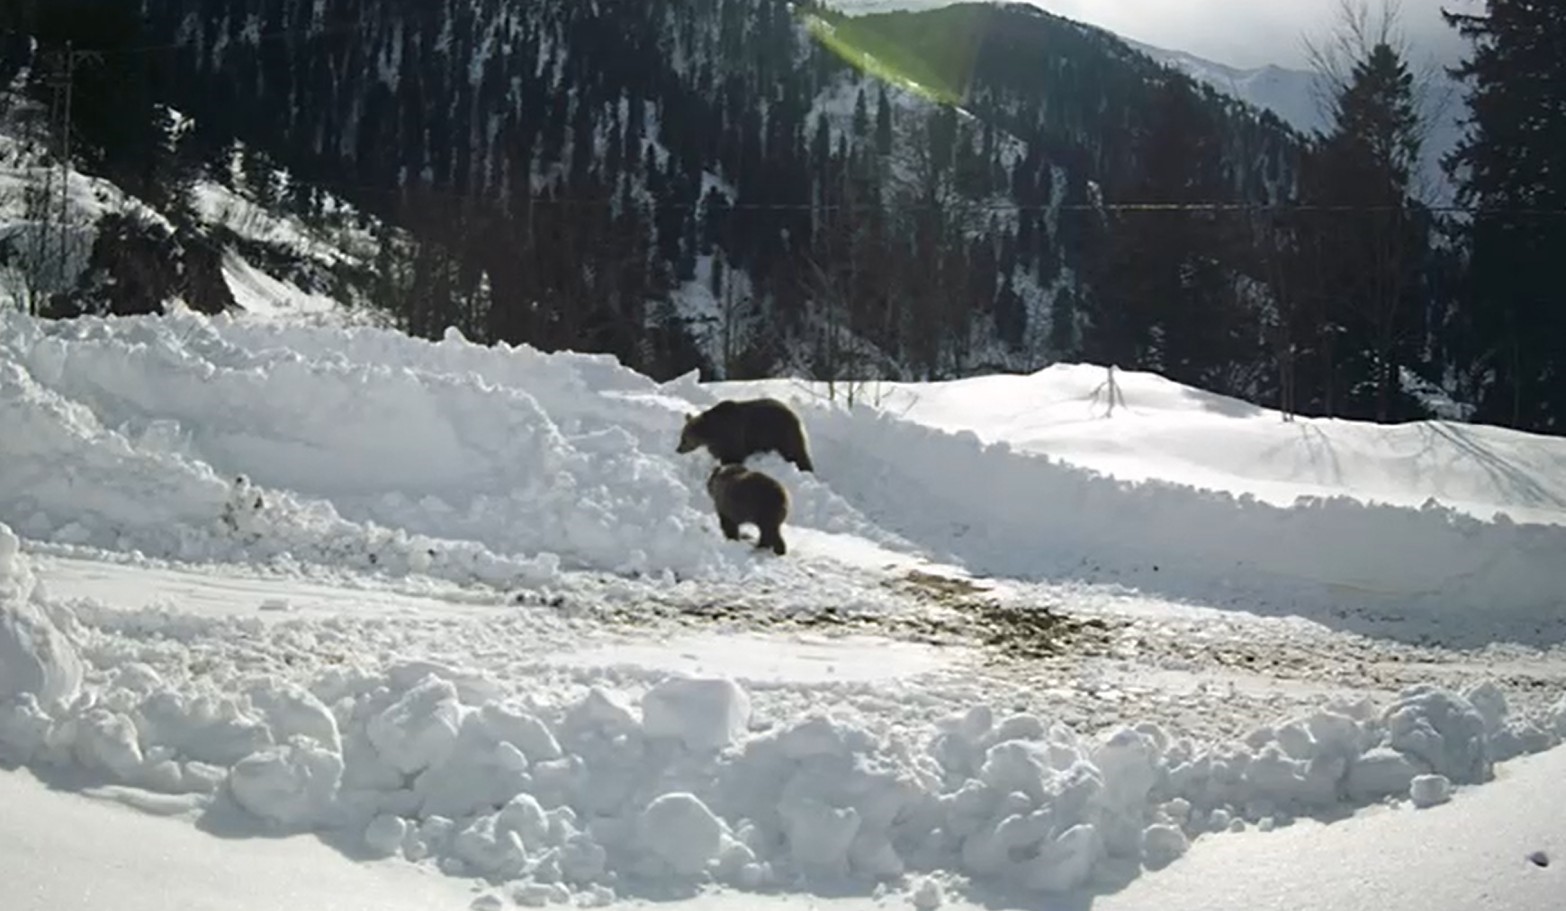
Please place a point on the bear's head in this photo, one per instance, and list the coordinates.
(690, 436)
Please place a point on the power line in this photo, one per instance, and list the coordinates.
(968, 206)
(323, 31)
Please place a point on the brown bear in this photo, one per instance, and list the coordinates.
(743, 496)
(733, 431)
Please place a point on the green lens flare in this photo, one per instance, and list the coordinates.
(932, 54)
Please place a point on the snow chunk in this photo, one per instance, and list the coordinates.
(1443, 730)
(24, 728)
(601, 713)
(1429, 790)
(420, 729)
(294, 711)
(706, 715)
(481, 772)
(820, 835)
(36, 657)
(290, 785)
(107, 740)
(1379, 773)
(928, 895)
(680, 830)
(1162, 845)
(488, 849)
(16, 577)
(816, 735)
(203, 729)
(1067, 863)
(525, 816)
(525, 732)
(384, 835)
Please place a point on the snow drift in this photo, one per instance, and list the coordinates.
(192, 438)
(1001, 512)
(356, 447)
(553, 796)
(197, 439)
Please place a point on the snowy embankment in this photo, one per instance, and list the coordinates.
(507, 467)
(587, 796)
(1051, 491)
(374, 452)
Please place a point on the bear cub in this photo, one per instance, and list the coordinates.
(743, 496)
(736, 430)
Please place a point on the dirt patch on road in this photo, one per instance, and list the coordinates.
(940, 610)
(964, 610)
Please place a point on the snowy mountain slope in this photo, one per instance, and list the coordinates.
(49, 242)
(1295, 96)
(1292, 94)
(469, 610)
(270, 261)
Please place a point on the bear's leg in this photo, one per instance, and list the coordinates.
(730, 528)
(795, 453)
(772, 537)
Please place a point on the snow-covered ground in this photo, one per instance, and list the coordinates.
(462, 615)
(1153, 428)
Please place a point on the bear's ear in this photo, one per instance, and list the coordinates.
(689, 418)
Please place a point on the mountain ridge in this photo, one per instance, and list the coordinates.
(703, 99)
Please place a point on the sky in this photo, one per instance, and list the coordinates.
(1239, 33)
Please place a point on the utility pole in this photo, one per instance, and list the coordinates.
(40, 208)
(65, 161)
(63, 81)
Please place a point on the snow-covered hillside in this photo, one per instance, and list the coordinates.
(465, 609)
(1296, 97)
(1293, 95)
(272, 264)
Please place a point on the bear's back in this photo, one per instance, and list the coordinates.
(767, 423)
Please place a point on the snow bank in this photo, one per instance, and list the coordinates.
(1001, 512)
(67, 478)
(225, 439)
(499, 466)
(40, 670)
(553, 796)
(600, 792)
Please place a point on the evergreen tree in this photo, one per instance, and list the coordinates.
(1375, 237)
(1165, 301)
(537, 140)
(1514, 162)
(883, 124)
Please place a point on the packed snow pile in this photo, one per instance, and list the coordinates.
(219, 439)
(38, 666)
(552, 796)
(1141, 426)
(121, 429)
